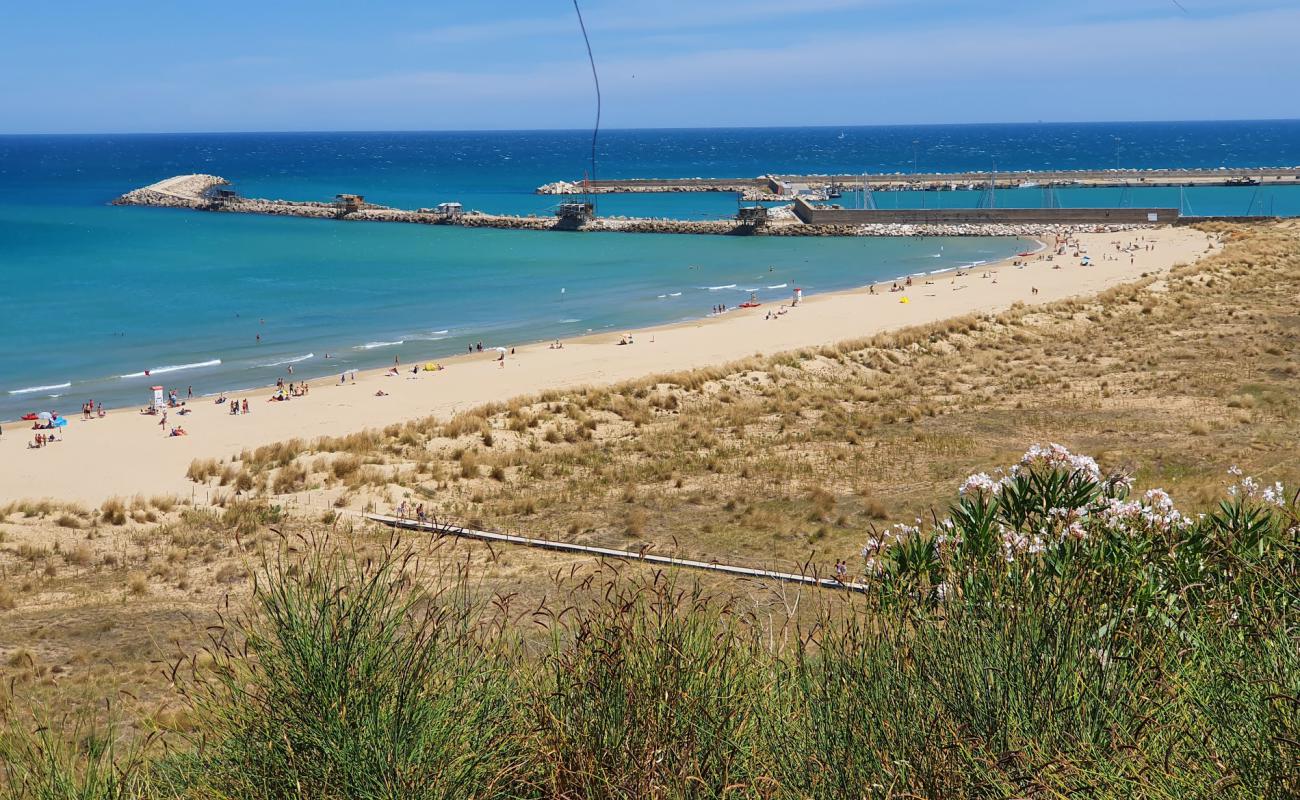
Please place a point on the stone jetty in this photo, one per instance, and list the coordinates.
(214, 193)
(774, 186)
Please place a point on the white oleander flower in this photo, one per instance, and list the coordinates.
(980, 482)
(1055, 456)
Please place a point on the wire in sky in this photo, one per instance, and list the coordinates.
(596, 78)
(1181, 7)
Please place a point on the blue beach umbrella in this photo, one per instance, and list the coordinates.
(60, 422)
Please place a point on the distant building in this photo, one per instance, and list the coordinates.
(348, 203)
(752, 216)
(223, 193)
(449, 209)
(575, 213)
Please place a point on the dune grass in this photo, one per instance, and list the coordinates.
(1049, 637)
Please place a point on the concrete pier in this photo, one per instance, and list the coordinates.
(775, 185)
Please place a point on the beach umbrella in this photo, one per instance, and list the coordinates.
(60, 422)
(501, 350)
(45, 415)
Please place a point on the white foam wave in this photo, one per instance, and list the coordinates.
(31, 389)
(779, 286)
(674, 294)
(373, 345)
(294, 360)
(719, 288)
(173, 368)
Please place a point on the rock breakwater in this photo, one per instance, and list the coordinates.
(213, 193)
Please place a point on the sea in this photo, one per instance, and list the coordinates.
(92, 295)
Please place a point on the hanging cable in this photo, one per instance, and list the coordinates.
(595, 131)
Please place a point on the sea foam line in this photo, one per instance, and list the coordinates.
(779, 286)
(373, 345)
(719, 288)
(288, 361)
(31, 389)
(173, 368)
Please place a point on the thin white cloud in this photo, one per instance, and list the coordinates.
(665, 15)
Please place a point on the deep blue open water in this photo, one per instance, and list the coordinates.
(92, 295)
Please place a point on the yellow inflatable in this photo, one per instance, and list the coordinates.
(904, 300)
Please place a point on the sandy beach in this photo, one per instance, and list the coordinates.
(127, 453)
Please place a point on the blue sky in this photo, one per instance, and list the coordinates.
(232, 65)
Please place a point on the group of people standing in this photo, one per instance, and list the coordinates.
(89, 410)
(413, 511)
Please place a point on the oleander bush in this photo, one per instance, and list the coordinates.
(1050, 636)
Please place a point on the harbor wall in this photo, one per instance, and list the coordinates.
(1237, 176)
(813, 215)
(213, 193)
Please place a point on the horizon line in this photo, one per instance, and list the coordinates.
(648, 128)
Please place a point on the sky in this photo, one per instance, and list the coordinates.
(80, 66)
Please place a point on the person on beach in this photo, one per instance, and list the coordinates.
(245, 411)
(189, 391)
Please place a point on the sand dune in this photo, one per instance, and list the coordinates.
(128, 453)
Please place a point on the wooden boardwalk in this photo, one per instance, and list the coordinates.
(608, 552)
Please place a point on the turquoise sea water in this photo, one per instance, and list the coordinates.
(92, 295)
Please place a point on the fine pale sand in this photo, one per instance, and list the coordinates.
(127, 453)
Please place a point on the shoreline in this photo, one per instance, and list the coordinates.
(86, 466)
(460, 355)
